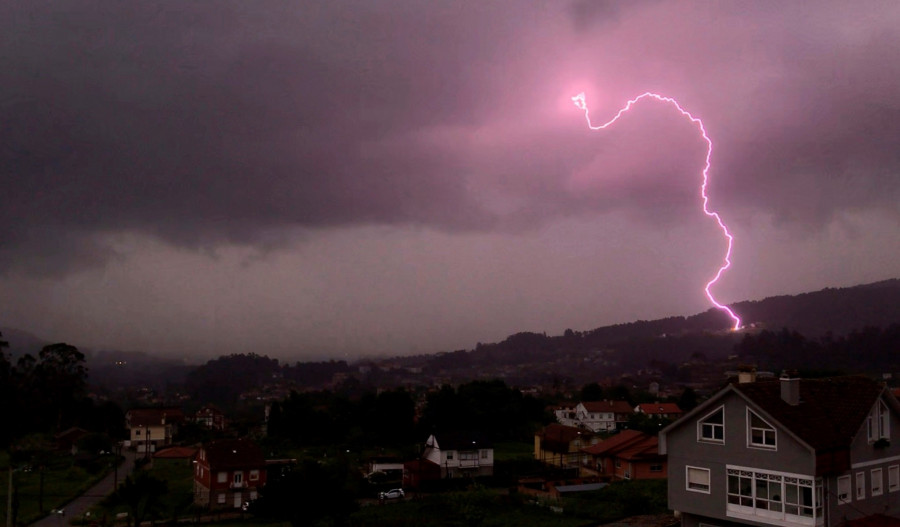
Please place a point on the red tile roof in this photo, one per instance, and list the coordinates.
(619, 407)
(176, 452)
(234, 453)
(556, 437)
(660, 408)
(154, 416)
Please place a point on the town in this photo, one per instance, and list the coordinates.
(713, 440)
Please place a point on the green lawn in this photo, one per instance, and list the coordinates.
(508, 451)
(179, 498)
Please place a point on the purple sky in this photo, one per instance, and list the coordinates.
(331, 179)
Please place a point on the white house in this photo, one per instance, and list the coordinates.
(460, 454)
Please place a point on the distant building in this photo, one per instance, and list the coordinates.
(150, 428)
(630, 454)
(603, 416)
(561, 445)
(228, 473)
(210, 417)
(659, 410)
(460, 454)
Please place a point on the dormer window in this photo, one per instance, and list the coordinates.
(711, 428)
(760, 434)
(878, 424)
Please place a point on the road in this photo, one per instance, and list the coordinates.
(74, 511)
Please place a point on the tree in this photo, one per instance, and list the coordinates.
(140, 493)
(310, 494)
(592, 392)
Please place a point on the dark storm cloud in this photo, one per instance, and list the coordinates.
(207, 124)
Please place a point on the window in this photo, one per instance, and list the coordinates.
(220, 498)
(450, 455)
(656, 468)
(878, 424)
(484, 454)
(860, 485)
(781, 496)
(238, 478)
(254, 475)
(137, 432)
(798, 498)
(893, 478)
(222, 477)
(877, 482)
(618, 463)
(760, 434)
(843, 492)
(697, 479)
(712, 427)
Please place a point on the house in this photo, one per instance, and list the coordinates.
(788, 452)
(630, 454)
(210, 417)
(149, 428)
(561, 445)
(228, 472)
(659, 410)
(460, 454)
(565, 414)
(602, 416)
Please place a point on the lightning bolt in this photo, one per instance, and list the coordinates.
(580, 102)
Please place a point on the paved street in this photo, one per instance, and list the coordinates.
(74, 510)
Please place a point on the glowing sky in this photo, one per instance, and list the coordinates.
(309, 179)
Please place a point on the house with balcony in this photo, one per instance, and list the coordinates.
(603, 416)
(788, 452)
(630, 454)
(460, 454)
(227, 473)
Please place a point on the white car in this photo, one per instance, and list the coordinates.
(392, 494)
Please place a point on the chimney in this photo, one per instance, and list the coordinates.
(746, 374)
(790, 387)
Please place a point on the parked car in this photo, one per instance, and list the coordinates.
(392, 494)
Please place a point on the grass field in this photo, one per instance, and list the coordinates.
(62, 481)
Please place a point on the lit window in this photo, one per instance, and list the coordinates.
(877, 481)
(712, 427)
(254, 475)
(222, 477)
(759, 433)
(697, 479)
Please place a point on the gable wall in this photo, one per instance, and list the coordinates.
(684, 450)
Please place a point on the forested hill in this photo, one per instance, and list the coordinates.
(830, 311)
(836, 311)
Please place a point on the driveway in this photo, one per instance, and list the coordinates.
(73, 512)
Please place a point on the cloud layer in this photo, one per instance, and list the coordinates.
(260, 125)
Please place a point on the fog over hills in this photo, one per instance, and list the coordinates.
(834, 311)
